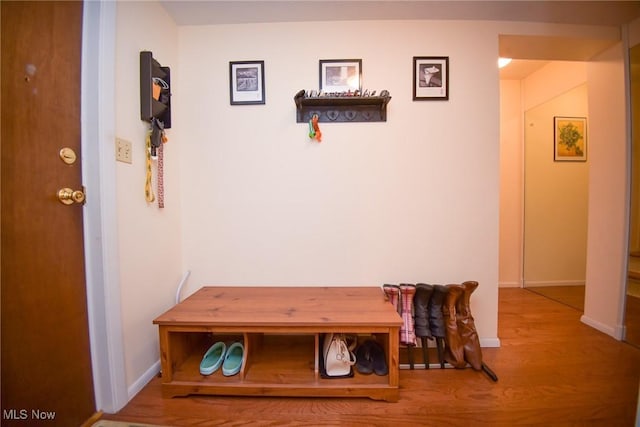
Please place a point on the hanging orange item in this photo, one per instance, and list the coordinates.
(314, 129)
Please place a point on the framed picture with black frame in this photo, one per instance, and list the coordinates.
(340, 75)
(430, 78)
(246, 82)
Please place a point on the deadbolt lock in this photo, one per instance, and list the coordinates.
(68, 196)
(68, 155)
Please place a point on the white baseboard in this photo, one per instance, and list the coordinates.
(144, 379)
(509, 285)
(615, 332)
(541, 283)
(622, 331)
(490, 342)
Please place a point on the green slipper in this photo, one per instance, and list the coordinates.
(233, 359)
(213, 358)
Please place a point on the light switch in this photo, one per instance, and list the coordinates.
(123, 151)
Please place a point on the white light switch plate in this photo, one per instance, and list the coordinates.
(123, 151)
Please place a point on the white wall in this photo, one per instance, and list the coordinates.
(634, 39)
(414, 199)
(556, 196)
(551, 80)
(608, 172)
(149, 238)
(511, 183)
(251, 201)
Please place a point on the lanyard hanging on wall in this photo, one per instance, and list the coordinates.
(161, 175)
(154, 147)
(148, 187)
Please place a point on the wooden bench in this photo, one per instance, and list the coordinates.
(281, 329)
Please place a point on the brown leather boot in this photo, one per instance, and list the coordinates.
(467, 327)
(454, 353)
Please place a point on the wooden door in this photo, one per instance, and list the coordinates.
(46, 363)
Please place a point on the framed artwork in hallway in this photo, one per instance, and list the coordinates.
(430, 78)
(246, 82)
(340, 75)
(569, 139)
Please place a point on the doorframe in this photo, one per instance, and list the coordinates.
(620, 331)
(618, 267)
(99, 178)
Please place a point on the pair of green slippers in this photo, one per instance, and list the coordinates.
(218, 355)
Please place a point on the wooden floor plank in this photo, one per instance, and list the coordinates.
(553, 370)
(571, 295)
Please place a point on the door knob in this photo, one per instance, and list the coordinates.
(68, 196)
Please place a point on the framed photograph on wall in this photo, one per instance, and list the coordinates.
(246, 82)
(340, 75)
(570, 139)
(430, 78)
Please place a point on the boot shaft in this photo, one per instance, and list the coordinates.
(407, 292)
(467, 328)
(451, 301)
(420, 306)
(434, 309)
(454, 352)
(407, 331)
(463, 307)
(393, 295)
(422, 297)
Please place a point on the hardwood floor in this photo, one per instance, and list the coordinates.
(632, 320)
(573, 296)
(553, 370)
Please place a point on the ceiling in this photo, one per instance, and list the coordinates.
(530, 52)
(209, 12)
(518, 69)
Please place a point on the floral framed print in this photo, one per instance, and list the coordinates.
(430, 78)
(246, 82)
(340, 75)
(570, 139)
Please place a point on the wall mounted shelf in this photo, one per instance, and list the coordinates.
(150, 107)
(341, 108)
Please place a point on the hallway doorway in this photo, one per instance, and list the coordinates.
(542, 237)
(556, 193)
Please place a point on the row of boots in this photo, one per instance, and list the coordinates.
(442, 313)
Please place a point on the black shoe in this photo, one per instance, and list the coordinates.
(378, 360)
(364, 362)
(370, 359)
